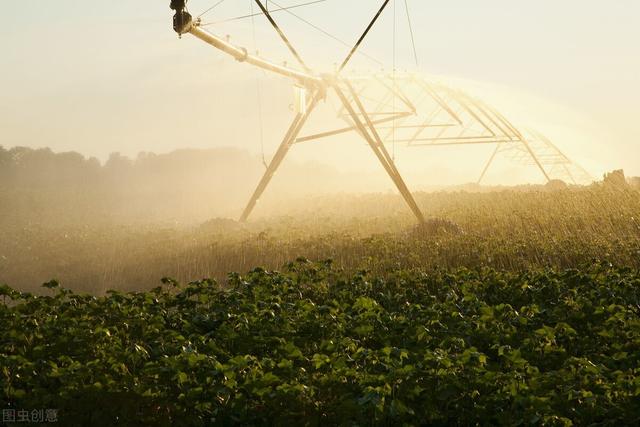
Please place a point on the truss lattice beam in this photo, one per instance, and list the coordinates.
(431, 114)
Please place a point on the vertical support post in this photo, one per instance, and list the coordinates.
(376, 144)
(289, 139)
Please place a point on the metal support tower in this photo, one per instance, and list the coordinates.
(430, 114)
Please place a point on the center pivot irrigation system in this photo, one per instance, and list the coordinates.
(429, 113)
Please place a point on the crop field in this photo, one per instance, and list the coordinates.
(320, 213)
(512, 307)
(315, 344)
(507, 230)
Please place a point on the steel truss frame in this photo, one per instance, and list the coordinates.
(430, 114)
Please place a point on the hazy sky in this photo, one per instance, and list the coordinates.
(102, 76)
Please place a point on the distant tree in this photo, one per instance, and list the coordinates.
(5, 158)
(118, 162)
(4, 155)
(5, 166)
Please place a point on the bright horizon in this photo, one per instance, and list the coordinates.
(102, 77)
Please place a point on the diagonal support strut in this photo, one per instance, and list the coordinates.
(370, 134)
(290, 137)
(284, 38)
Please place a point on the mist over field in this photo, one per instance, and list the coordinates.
(186, 186)
(126, 223)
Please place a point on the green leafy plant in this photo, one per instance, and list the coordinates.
(314, 345)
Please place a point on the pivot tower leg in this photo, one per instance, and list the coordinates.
(370, 134)
(289, 139)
